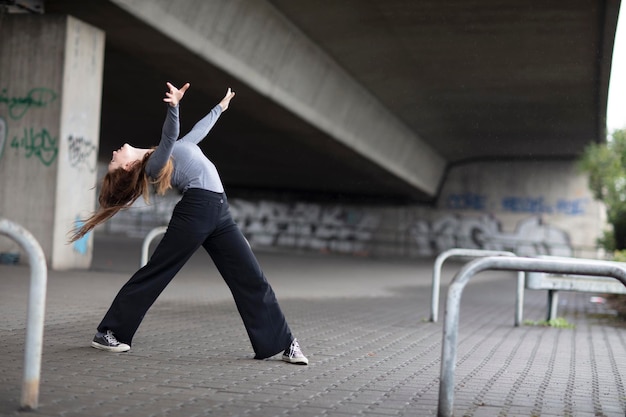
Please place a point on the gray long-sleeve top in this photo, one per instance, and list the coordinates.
(192, 169)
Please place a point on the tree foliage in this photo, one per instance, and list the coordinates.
(605, 165)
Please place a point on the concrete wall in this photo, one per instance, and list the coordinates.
(50, 93)
(526, 207)
(530, 208)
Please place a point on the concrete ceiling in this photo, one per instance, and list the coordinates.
(480, 79)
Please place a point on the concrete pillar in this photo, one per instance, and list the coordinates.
(50, 96)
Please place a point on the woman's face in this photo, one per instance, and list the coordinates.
(122, 158)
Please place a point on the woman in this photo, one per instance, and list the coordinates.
(201, 218)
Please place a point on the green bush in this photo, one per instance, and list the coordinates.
(605, 164)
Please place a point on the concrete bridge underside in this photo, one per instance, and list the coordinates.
(358, 98)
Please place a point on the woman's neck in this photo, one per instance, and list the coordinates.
(141, 153)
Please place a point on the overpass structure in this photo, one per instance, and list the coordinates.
(346, 100)
(359, 97)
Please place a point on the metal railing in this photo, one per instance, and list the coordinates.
(501, 263)
(145, 247)
(36, 311)
(471, 253)
(552, 284)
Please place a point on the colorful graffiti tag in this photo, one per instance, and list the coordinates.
(81, 245)
(517, 204)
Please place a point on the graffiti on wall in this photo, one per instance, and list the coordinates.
(35, 142)
(517, 204)
(532, 236)
(80, 151)
(271, 224)
(80, 246)
(3, 135)
(18, 106)
(305, 226)
(358, 231)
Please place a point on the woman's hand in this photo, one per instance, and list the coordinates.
(174, 96)
(226, 100)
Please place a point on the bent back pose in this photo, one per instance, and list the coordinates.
(200, 218)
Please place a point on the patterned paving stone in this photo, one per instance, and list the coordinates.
(361, 322)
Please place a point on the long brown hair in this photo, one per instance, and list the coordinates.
(120, 188)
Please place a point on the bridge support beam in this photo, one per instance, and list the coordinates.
(255, 43)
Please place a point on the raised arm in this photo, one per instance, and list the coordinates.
(171, 129)
(204, 125)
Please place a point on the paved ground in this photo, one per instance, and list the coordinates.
(362, 323)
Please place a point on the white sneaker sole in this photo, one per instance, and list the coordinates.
(296, 361)
(121, 348)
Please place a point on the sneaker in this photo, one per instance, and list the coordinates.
(106, 341)
(293, 354)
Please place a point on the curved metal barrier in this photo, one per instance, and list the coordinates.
(146, 243)
(501, 263)
(471, 253)
(553, 283)
(36, 311)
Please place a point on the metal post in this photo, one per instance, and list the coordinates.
(519, 299)
(146, 243)
(553, 304)
(36, 311)
(450, 331)
(458, 252)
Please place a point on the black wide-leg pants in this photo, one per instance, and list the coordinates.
(202, 217)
